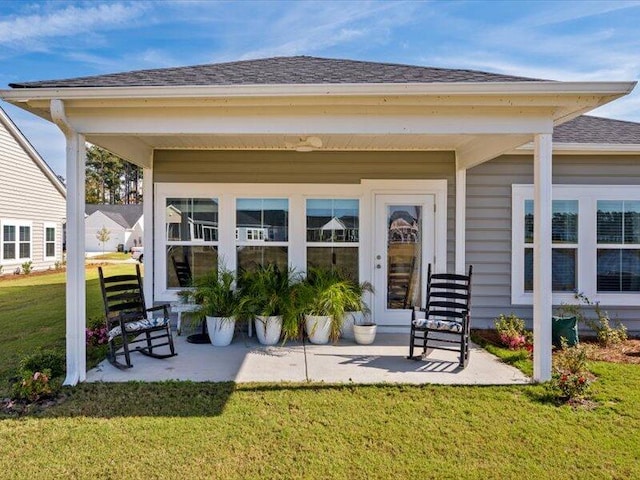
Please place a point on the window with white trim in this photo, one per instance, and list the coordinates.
(595, 243)
(333, 234)
(49, 240)
(16, 240)
(191, 228)
(8, 242)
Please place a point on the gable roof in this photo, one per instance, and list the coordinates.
(279, 71)
(589, 129)
(15, 132)
(124, 215)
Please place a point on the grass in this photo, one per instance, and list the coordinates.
(113, 256)
(517, 358)
(208, 430)
(32, 313)
(193, 430)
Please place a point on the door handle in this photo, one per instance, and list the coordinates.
(378, 266)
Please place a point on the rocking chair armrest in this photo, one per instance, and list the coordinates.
(165, 307)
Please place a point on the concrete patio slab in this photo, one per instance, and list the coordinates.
(345, 362)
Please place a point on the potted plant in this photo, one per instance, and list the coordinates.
(267, 298)
(323, 298)
(218, 302)
(357, 313)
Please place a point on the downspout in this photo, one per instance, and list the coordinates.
(75, 285)
(461, 218)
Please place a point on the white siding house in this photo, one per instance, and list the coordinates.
(125, 224)
(32, 204)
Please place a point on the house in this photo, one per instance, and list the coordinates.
(125, 224)
(463, 157)
(32, 204)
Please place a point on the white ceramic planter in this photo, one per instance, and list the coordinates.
(318, 328)
(221, 330)
(350, 318)
(365, 334)
(268, 329)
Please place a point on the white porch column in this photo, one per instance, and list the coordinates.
(76, 286)
(147, 210)
(542, 302)
(461, 219)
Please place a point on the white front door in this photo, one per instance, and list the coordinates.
(404, 236)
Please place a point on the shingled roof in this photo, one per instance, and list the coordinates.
(279, 70)
(124, 215)
(588, 129)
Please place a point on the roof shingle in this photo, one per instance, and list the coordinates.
(588, 129)
(279, 70)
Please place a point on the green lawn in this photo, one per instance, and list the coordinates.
(206, 430)
(32, 313)
(113, 256)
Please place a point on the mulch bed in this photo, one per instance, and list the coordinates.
(625, 352)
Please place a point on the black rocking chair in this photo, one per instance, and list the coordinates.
(126, 316)
(447, 316)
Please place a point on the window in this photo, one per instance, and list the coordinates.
(618, 238)
(262, 232)
(333, 235)
(595, 243)
(564, 238)
(49, 241)
(9, 242)
(16, 240)
(191, 228)
(25, 242)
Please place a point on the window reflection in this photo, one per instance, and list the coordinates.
(192, 219)
(262, 219)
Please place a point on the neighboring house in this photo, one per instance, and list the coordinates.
(440, 165)
(32, 204)
(125, 224)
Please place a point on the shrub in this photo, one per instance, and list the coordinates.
(27, 267)
(34, 386)
(571, 378)
(511, 331)
(50, 360)
(96, 332)
(606, 334)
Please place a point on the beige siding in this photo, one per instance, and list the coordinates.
(489, 222)
(190, 166)
(27, 194)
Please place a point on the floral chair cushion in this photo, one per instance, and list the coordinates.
(137, 326)
(444, 325)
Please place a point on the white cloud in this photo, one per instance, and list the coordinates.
(309, 27)
(69, 21)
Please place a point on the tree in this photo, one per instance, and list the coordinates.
(103, 235)
(110, 179)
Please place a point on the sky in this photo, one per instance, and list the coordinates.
(557, 40)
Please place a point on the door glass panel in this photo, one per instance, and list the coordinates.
(404, 247)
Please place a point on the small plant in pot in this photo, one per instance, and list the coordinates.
(358, 313)
(323, 298)
(267, 297)
(219, 304)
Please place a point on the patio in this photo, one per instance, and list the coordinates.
(245, 360)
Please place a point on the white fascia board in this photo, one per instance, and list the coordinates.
(584, 149)
(343, 89)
